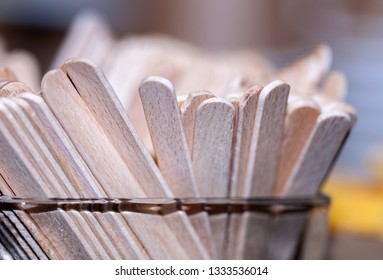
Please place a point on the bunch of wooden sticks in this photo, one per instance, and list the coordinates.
(248, 136)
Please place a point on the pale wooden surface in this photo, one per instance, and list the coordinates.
(107, 165)
(164, 121)
(246, 113)
(111, 116)
(302, 114)
(76, 170)
(188, 114)
(18, 171)
(266, 140)
(211, 157)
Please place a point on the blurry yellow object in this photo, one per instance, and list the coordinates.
(357, 207)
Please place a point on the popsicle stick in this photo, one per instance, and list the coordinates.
(188, 114)
(302, 114)
(18, 171)
(106, 163)
(212, 146)
(31, 143)
(164, 121)
(247, 107)
(62, 187)
(95, 90)
(77, 171)
(266, 140)
(326, 138)
(213, 137)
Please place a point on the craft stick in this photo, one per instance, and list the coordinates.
(55, 188)
(266, 140)
(213, 137)
(247, 107)
(96, 91)
(335, 86)
(188, 114)
(106, 164)
(164, 121)
(62, 187)
(302, 114)
(18, 172)
(212, 146)
(77, 171)
(324, 142)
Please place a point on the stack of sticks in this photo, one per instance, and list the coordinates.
(246, 134)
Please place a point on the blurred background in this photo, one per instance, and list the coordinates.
(279, 30)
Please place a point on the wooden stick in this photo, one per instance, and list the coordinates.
(323, 144)
(77, 171)
(212, 146)
(106, 163)
(267, 140)
(163, 117)
(18, 171)
(188, 114)
(98, 94)
(247, 107)
(214, 122)
(301, 118)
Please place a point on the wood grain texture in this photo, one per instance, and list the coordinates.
(164, 121)
(106, 164)
(213, 137)
(214, 122)
(302, 114)
(266, 140)
(100, 98)
(169, 141)
(188, 114)
(246, 112)
(62, 186)
(18, 171)
(329, 132)
(77, 171)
